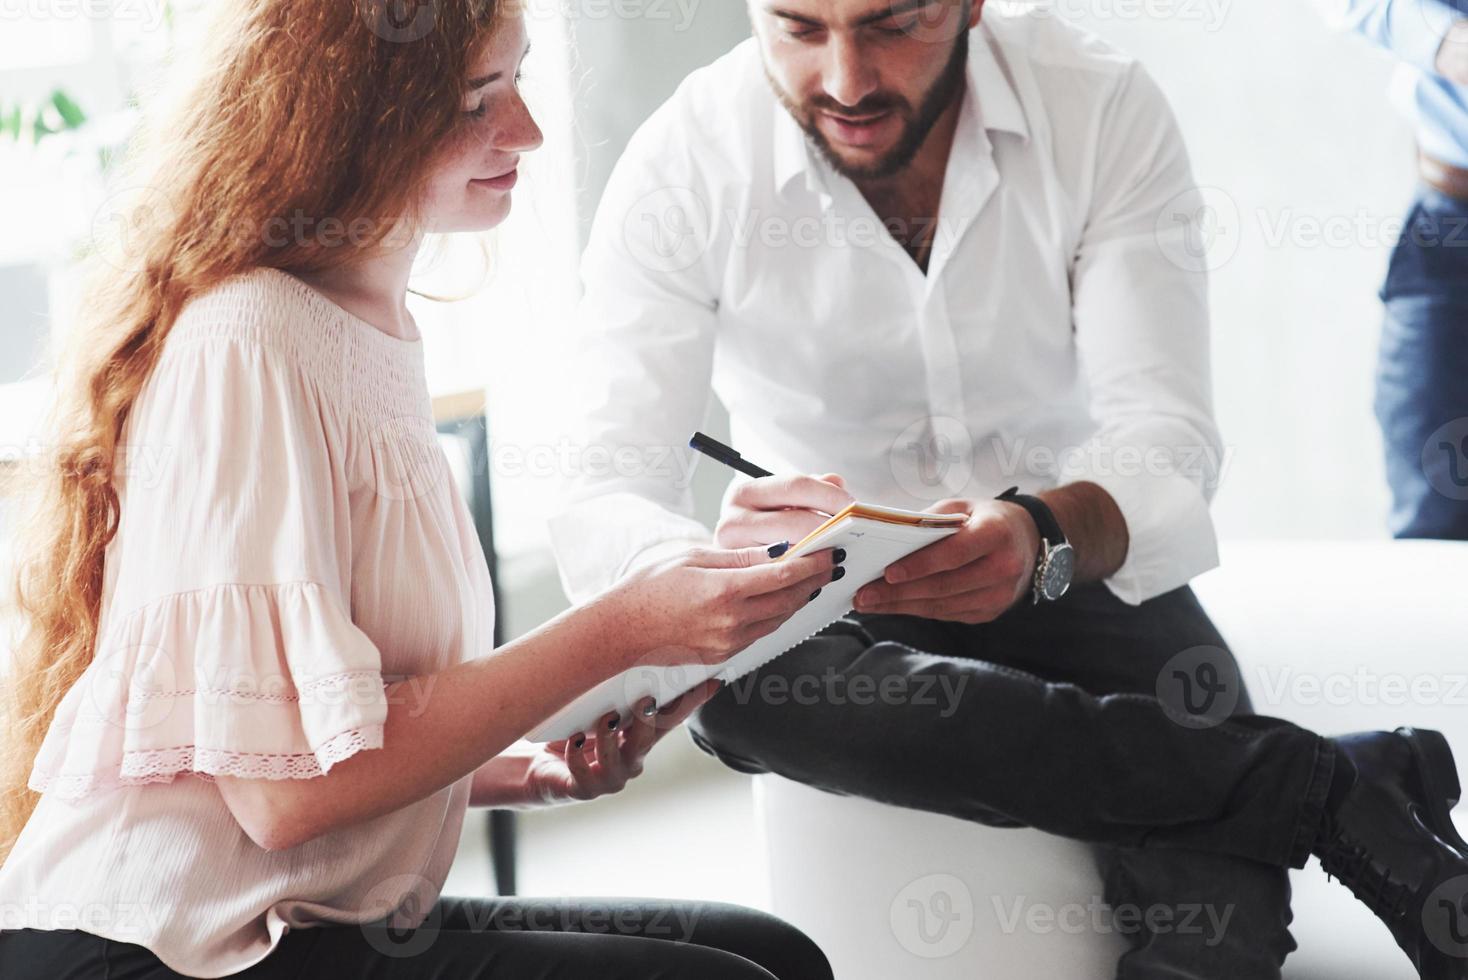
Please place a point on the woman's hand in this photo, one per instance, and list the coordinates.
(707, 604)
(586, 767)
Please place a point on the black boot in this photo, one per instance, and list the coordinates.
(1391, 841)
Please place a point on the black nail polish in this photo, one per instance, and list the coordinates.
(650, 708)
(612, 725)
(776, 550)
(813, 595)
(578, 741)
(838, 574)
(838, 556)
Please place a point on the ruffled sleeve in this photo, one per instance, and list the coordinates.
(227, 644)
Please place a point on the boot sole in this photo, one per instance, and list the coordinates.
(1438, 775)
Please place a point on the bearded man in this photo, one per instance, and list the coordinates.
(931, 252)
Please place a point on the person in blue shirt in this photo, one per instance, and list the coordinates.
(1422, 374)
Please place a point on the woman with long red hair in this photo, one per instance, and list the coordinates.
(256, 693)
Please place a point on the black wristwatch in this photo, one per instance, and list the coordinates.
(1056, 565)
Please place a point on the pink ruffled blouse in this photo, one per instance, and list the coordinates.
(291, 542)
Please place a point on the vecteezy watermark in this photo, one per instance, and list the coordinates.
(142, 465)
(404, 21)
(128, 685)
(1200, 229)
(124, 221)
(301, 230)
(671, 228)
(655, 920)
(117, 919)
(935, 23)
(1203, 463)
(407, 458)
(832, 229)
(667, 230)
(1199, 687)
(408, 917)
(1361, 687)
(128, 219)
(149, 14)
(137, 686)
(405, 916)
(679, 13)
(1445, 917)
(933, 457)
(660, 676)
(399, 21)
(673, 465)
(1099, 917)
(1208, 14)
(1445, 459)
(1288, 228)
(836, 688)
(933, 917)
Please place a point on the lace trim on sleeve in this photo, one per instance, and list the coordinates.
(162, 765)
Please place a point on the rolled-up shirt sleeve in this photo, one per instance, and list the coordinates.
(641, 364)
(1140, 295)
(1413, 30)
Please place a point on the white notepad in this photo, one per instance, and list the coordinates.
(874, 537)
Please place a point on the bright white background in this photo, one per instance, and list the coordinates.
(1313, 169)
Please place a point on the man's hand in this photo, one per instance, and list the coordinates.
(1452, 57)
(773, 509)
(969, 577)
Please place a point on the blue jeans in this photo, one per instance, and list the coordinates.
(1422, 375)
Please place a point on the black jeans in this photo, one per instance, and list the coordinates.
(480, 939)
(1124, 726)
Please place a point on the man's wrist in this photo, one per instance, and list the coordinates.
(1094, 526)
(1028, 529)
(1032, 545)
(1053, 568)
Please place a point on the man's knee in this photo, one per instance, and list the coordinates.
(721, 729)
(790, 705)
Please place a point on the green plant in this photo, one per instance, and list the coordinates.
(33, 122)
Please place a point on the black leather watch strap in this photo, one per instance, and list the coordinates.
(1043, 516)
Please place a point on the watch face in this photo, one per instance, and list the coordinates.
(1059, 571)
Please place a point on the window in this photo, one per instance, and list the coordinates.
(504, 338)
(27, 43)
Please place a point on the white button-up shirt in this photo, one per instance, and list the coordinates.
(1060, 333)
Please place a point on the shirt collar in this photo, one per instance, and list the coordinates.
(990, 96)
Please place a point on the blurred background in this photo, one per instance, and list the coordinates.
(1290, 126)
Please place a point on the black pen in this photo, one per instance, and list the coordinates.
(724, 454)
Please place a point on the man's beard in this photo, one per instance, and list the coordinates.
(916, 125)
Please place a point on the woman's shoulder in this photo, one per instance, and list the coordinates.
(264, 310)
(264, 307)
(280, 321)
